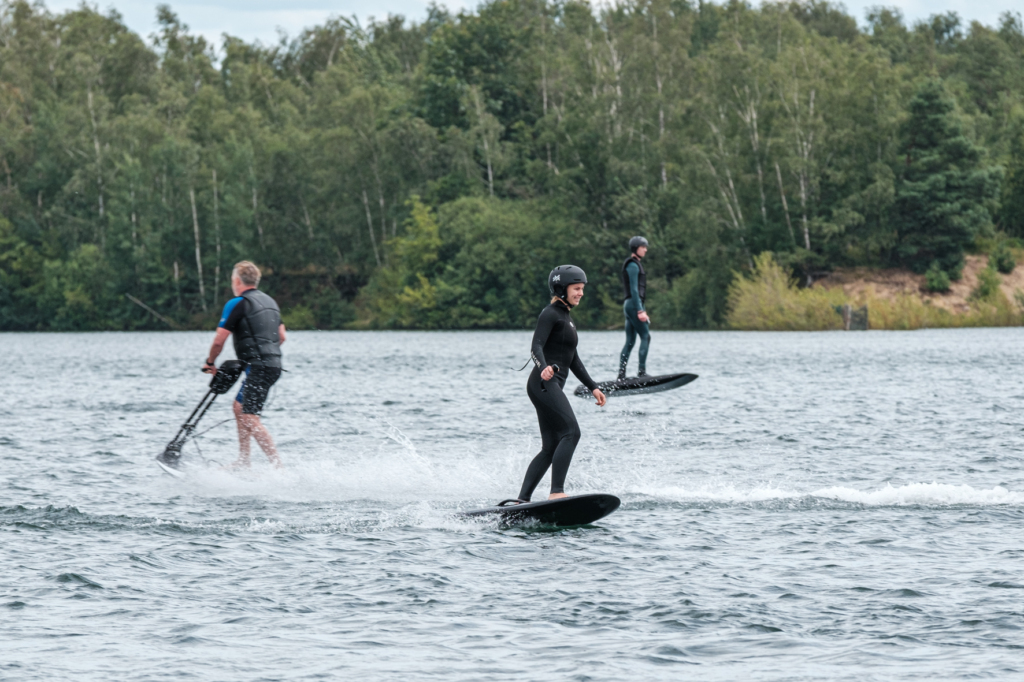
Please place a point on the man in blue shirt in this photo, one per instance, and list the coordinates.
(253, 320)
(634, 282)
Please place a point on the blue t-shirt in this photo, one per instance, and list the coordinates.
(234, 311)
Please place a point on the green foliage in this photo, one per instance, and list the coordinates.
(936, 278)
(401, 294)
(331, 310)
(695, 301)
(889, 32)
(299, 317)
(946, 188)
(1011, 211)
(78, 291)
(907, 311)
(496, 257)
(21, 279)
(770, 301)
(1003, 258)
(988, 284)
(535, 133)
(826, 19)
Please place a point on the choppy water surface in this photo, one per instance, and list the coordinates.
(839, 505)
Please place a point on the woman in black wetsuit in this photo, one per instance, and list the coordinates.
(554, 354)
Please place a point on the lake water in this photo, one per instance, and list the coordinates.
(817, 505)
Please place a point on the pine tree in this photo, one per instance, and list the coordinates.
(945, 185)
(1011, 213)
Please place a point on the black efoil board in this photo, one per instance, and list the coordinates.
(577, 510)
(638, 385)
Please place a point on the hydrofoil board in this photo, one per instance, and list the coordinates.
(174, 468)
(578, 510)
(638, 385)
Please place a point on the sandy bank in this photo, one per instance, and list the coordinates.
(891, 282)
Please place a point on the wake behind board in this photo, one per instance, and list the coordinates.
(638, 385)
(578, 510)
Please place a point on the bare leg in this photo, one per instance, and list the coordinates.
(263, 439)
(244, 434)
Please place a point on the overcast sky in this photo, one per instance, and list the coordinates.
(262, 19)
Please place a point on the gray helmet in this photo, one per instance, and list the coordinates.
(636, 242)
(561, 277)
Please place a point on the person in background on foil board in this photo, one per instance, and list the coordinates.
(253, 320)
(634, 282)
(554, 353)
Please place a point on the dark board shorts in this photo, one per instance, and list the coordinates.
(255, 387)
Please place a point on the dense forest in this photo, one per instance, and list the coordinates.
(428, 172)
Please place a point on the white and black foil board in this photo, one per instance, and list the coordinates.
(638, 385)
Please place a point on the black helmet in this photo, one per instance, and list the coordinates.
(636, 242)
(564, 275)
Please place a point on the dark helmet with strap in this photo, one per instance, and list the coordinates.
(636, 242)
(561, 277)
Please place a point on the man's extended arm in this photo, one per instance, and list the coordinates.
(221, 337)
(218, 345)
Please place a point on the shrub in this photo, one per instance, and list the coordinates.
(299, 317)
(451, 268)
(1003, 258)
(936, 278)
(988, 284)
(79, 291)
(695, 301)
(331, 310)
(907, 311)
(770, 301)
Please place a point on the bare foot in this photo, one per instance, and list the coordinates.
(557, 496)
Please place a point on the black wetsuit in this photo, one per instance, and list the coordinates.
(554, 343)
(634, 280)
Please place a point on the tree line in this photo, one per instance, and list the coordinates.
(429, 173)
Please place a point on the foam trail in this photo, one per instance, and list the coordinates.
(377, 471)
(939, 494)
(725, 493)
(923, 494)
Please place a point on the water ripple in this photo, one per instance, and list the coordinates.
(816, 506)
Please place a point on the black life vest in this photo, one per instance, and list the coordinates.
(256, 339)
(641, 280)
